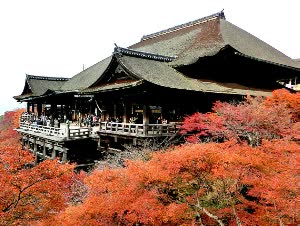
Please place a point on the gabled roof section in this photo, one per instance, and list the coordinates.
(161, 74)
(252, 46)
(185, 25)
(88, 77)
(206, 37)
(39, 85)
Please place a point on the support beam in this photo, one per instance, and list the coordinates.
(115, 111)
(53, 155)
(28, 107)
(145, 119)
(64, 155)
(125, 118)
(39, 109)
(44, 150)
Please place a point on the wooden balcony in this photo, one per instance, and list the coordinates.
(69, 132)
(138, 130)
(63, 133)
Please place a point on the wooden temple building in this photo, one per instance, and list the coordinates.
(145, 90)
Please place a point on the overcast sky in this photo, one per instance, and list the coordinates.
(58, 37)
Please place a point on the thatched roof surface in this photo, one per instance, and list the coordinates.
(113, 86)
(161, 74)
(206, 38)
(156, 56)
(39, 85)
(87, 77)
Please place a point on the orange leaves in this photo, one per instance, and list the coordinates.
(222, 181)
(28, 193)
(252, 120)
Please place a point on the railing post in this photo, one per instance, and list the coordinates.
(64, 155)
(44, 149)
(68, 130)
(89, 130)
(145, 129)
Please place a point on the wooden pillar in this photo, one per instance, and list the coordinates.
(125, 118)
(115, 110)
(28, 107)
(44, 149)
(32, 107)
(34, 145)
(23, 142)
(53, 155)
(39, 109)
(99, 142)
(64, 155)
(53, 109)
(68, 130)
(35, 151)
(89, 129)
(145, 119)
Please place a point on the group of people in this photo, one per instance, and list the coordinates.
(86, 120)
(44, 120)
(89, 120)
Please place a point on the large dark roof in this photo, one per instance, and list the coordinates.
(87, 77)
(161, 74)
(157, 56)
(39, 85)
(206, 37)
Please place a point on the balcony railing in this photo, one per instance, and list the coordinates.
(67, 131)
(47, 130)
(138, 129)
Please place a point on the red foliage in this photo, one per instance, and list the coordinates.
(29, 193)
(252, 120)
(225, 182)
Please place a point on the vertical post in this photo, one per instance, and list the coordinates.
(39, 109)
(68, 129)
(115, 110)
(64, 156)
(99, 141)
(125, 114)
(53, 155)
(28, 107)
(89, 130)
(35, 151)
(44, 149)
(32, 107)
(34, 145)
(23, 142)
(145, 119)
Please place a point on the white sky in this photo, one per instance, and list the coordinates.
(56, 37)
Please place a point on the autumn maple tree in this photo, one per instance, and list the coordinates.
(29, 192)
(251, 120)
(208, 184)
(244, 171)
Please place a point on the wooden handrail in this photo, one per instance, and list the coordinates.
(138, 129)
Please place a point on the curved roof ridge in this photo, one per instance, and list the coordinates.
(142, 54)
(87, 77)
(185, 25)
(250, 45)
(46, 78)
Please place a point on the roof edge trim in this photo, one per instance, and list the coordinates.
(146, 55)
(266, 61)
(46, 78)
(185, 25)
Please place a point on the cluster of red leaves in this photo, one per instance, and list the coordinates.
(252, 120)
(208, 183)
(29, 193)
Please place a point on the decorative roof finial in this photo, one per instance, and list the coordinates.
(222, 14)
